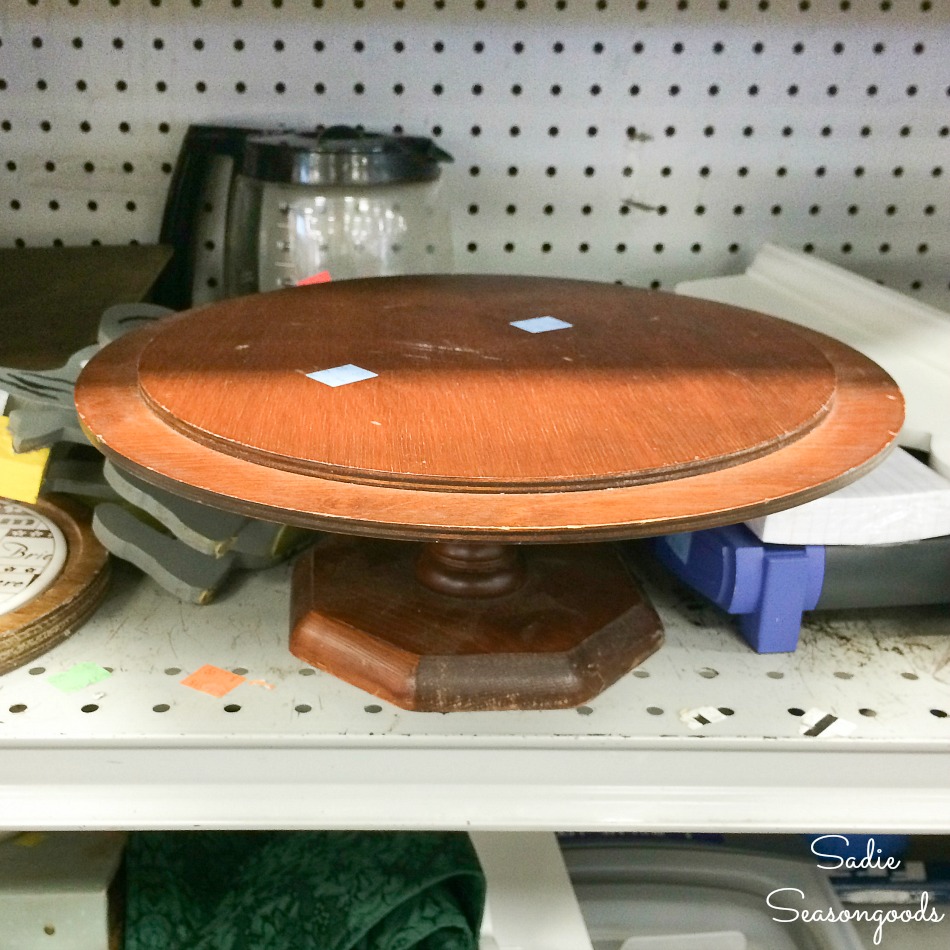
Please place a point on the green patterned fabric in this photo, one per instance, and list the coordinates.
(302, 891)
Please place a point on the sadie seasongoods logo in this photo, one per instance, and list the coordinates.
(789, 902)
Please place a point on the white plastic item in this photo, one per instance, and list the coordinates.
(899, 501)
(724, 940)
(909, 339)
(56, 890)
(632, 891)
(530, 902)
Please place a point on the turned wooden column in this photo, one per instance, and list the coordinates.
(470, 569)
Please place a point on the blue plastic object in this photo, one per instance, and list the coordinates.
(767, 586)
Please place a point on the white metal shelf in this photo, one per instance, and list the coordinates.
(651, 143)
(296, 748)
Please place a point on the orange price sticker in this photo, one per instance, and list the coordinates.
(212, 680)
(322, 278)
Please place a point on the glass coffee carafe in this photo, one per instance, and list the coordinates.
(339, 202)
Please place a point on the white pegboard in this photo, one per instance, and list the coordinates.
(648, 141)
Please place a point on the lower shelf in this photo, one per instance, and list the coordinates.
(587, 892)
(850, 732)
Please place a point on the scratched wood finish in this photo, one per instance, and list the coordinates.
(639, 387)
(574, 626)
(51, 616)
(859, 425)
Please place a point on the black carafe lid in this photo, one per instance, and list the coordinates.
(341, 155)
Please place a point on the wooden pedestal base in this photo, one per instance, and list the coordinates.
(453, 626)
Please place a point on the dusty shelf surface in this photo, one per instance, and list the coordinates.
(850, 731)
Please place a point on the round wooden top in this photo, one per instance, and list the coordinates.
(484, 383)
(417, 407)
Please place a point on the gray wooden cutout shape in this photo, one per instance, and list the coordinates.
(35, 425)
(206, 529)
(81, 477)
(256, 544)
(122, 317)
(52, 387)
(181, 570)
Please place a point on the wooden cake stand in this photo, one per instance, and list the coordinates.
(477, 414)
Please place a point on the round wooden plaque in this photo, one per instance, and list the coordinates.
(56, 608)
(468, 406)
(484, 385)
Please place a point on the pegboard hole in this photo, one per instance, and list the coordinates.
(89, 708)
(373, 708)
(161, 708)
(18, 708)
(303, 708)
(232, 708)
(796, 712)
(307, 671)
(869, 713)
(36, 670)
(775, 675)
(584, 710)
(939, 713)
(841, 675)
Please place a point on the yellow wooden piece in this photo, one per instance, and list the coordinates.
(29, 839)
(21, 473)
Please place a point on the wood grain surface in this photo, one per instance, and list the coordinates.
(51, 616)
(802, 446)
(632, 387)
(574, 626)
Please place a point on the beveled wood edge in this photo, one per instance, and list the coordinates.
(458, 682)
(52, 629)
(54, 613)
(541, 681)
(446, 483)
(859, 430)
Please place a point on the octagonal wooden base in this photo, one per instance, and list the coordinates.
(575, 623)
